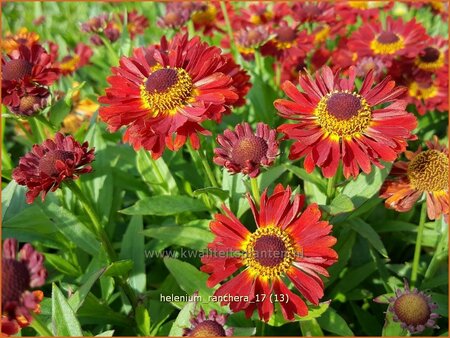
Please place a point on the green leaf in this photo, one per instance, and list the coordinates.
(133, 246)
(339, 205)
(156, 174)
(366, 186)
(183, 319)
(222, 194)
(304, 176)
(108, 333)
(366, 231)
(94, 311)
(77, 299)
(391, 328)
(353, 278)
(64, 321)
(267, 177)
(119, 268)
(311, 328)
(164, 206)
(143, 320)
(334, 323)
(277, 318)
(62, 265)
(59, 111)
(190, 237)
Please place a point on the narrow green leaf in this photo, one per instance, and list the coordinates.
(222, 194)
(310, 328)
(119, 268)
(190, 237)
(366, 231)
(333, 323)
(62, 265)
(165, 206)
(64, 321)
(143, 320)
(77, 299)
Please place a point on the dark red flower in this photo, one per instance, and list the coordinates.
(207, 16)
(335, 121)
(163, 93)
(72, 62)
(261, 13)
(288, 244)
(212, 325)
(428, 92)
(22, 37)
(434, 55)
(244, 151)
(176, 15)
(46, 166)
(20, 274)
(31, 101)
(248, 40)
(136, 23)
(426, 172)
(316, 12)
(23, 70)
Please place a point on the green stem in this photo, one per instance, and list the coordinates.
(39, 327)
(331, 188)
(439, 256)
(259, 63)
(255, 189)
(111, 51)
(233, 48)
(415, 266)
(37, 130)
(208, 169)
(44, 121)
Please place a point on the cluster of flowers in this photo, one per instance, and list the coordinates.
(163, 93)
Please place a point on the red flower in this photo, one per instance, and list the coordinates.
(428, 93)
(397, 39)
(259, 14)
(208, 17)
(287, 244)
(248, 40)
(287, 42)
(71, 63)
(19, 276)
(425, 173)
(24, 69)
(31, 101)
(168, 90)
(320, 12)
(136, 23)
(337, 122)
(244, 151)
(176, 15)
(47, 165)
(212, 325)
(433, 56)
(23, 37)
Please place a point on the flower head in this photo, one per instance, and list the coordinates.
(244, 151)
(426, 172)
(72, 62)
(212, 325)
(23, 37)
(397, 39)
(136, 23)
(249, 39)
(31, 101)
(162, 93)
(20, 274)
(23, 70)
(427, 92)
(433, 56)
(287, 244)
(47, 165)
(413, 309)
(335, 121)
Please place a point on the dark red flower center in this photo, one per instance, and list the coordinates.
(16, 69)
(252, 148)
(47, 163)
(172, 18)
(15, 280)
(311, 10)
(430, 54)
(269, 251)
(343, 106)
(208, 328)
(285, 34)
(412, 309)
(387, 37)
(161, 80)
(254, 37)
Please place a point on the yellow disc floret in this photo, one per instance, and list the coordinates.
(428, 171)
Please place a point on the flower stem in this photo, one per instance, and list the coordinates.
(255, 189)
(439, 256)
(103, 237)
(331, 188)
(415, 266)
(37, 130)
(233, 48)
(208, 169)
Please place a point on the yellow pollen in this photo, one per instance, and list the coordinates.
(428, 171)
(385, 47)
(359, 4)
(420, 92)
(206, 16)
(322, 35)
(269, 252)
(165, 90)
(343, 114)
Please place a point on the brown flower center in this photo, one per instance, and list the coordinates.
(412, 309)
(249, 149)
(428, 171)
(47, 163)
(343, 114)
(172, 18)
(166, 89)
(15, 280)
(430, 54)
(269, 250)
(16, 69)
(343, 106)
(387, 38)
(208, 328)
(27, 103)
(285, 34)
